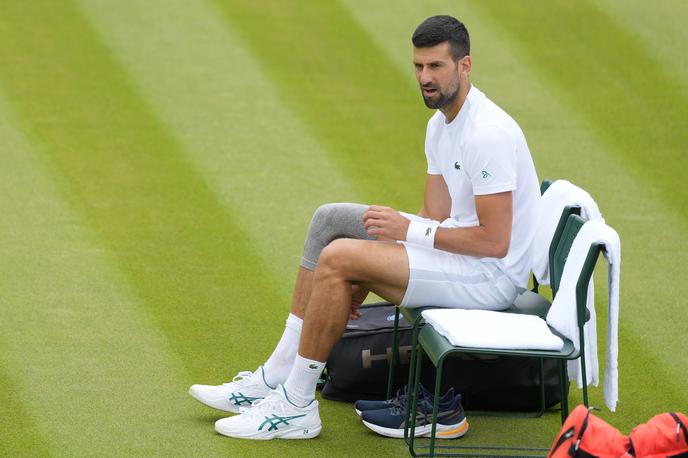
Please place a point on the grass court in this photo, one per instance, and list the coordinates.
(160, 161)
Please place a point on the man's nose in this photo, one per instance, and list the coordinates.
(424, 76)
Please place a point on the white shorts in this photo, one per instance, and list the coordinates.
(445, 279)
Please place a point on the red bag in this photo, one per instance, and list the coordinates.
(584, 436)
(665, 435)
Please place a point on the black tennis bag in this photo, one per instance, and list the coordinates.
(358, 368)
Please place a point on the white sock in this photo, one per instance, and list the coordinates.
(302, 380)
(278, 365)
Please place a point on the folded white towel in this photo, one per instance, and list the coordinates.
(484, 328)
(560, 194)
(562, 314)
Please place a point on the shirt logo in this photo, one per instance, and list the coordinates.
(428, 231)
(486, 174)
(457, 166)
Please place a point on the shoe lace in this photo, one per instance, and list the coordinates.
(397, 409)
(399, 403)
(266, 405)
(402, 395)
(422, 410)
(399, 398)
(243, 376)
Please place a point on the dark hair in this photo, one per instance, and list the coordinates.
(438, 29)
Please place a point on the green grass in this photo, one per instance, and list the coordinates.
(160, 166)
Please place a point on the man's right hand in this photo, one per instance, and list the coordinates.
(386, 223)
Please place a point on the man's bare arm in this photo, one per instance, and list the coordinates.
(491, 238)
(436, 202)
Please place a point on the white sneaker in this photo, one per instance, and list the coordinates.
(244, 389)
(274, 417)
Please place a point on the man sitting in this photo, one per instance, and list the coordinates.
(467, 248)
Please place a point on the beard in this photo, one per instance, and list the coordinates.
(443, 99)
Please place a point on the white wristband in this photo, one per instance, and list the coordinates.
(422, 233)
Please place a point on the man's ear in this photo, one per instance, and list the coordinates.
(465, 65)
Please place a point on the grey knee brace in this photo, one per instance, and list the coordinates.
(330, 222)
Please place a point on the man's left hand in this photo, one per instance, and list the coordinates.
(385, 223)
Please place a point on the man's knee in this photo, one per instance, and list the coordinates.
(338, 257)
(338, 219)
(331, 222)
(321, 216)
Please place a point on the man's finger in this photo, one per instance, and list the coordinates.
(372, 215)
(379, 208)
(371, 222)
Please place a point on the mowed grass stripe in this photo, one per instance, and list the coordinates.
(259, 159)
(629, 100)
(84, 369)
(560, 143)
(328, 71)
(188, 262)
(19, 434)
(660, 30)
(392, 32)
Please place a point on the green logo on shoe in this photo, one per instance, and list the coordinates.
(277, 420)
(239, 398)
(312, 366)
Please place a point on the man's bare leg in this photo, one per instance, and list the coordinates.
(277, 367)
(302, 291)
(381, 267)
(329, 222)
(304, 286)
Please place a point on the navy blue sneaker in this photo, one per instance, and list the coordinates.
(451, 420)
(400, 400)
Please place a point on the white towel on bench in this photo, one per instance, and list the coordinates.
(562, 315)
(489, 329)
(560, 194)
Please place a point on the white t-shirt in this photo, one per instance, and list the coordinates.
(483, 151)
